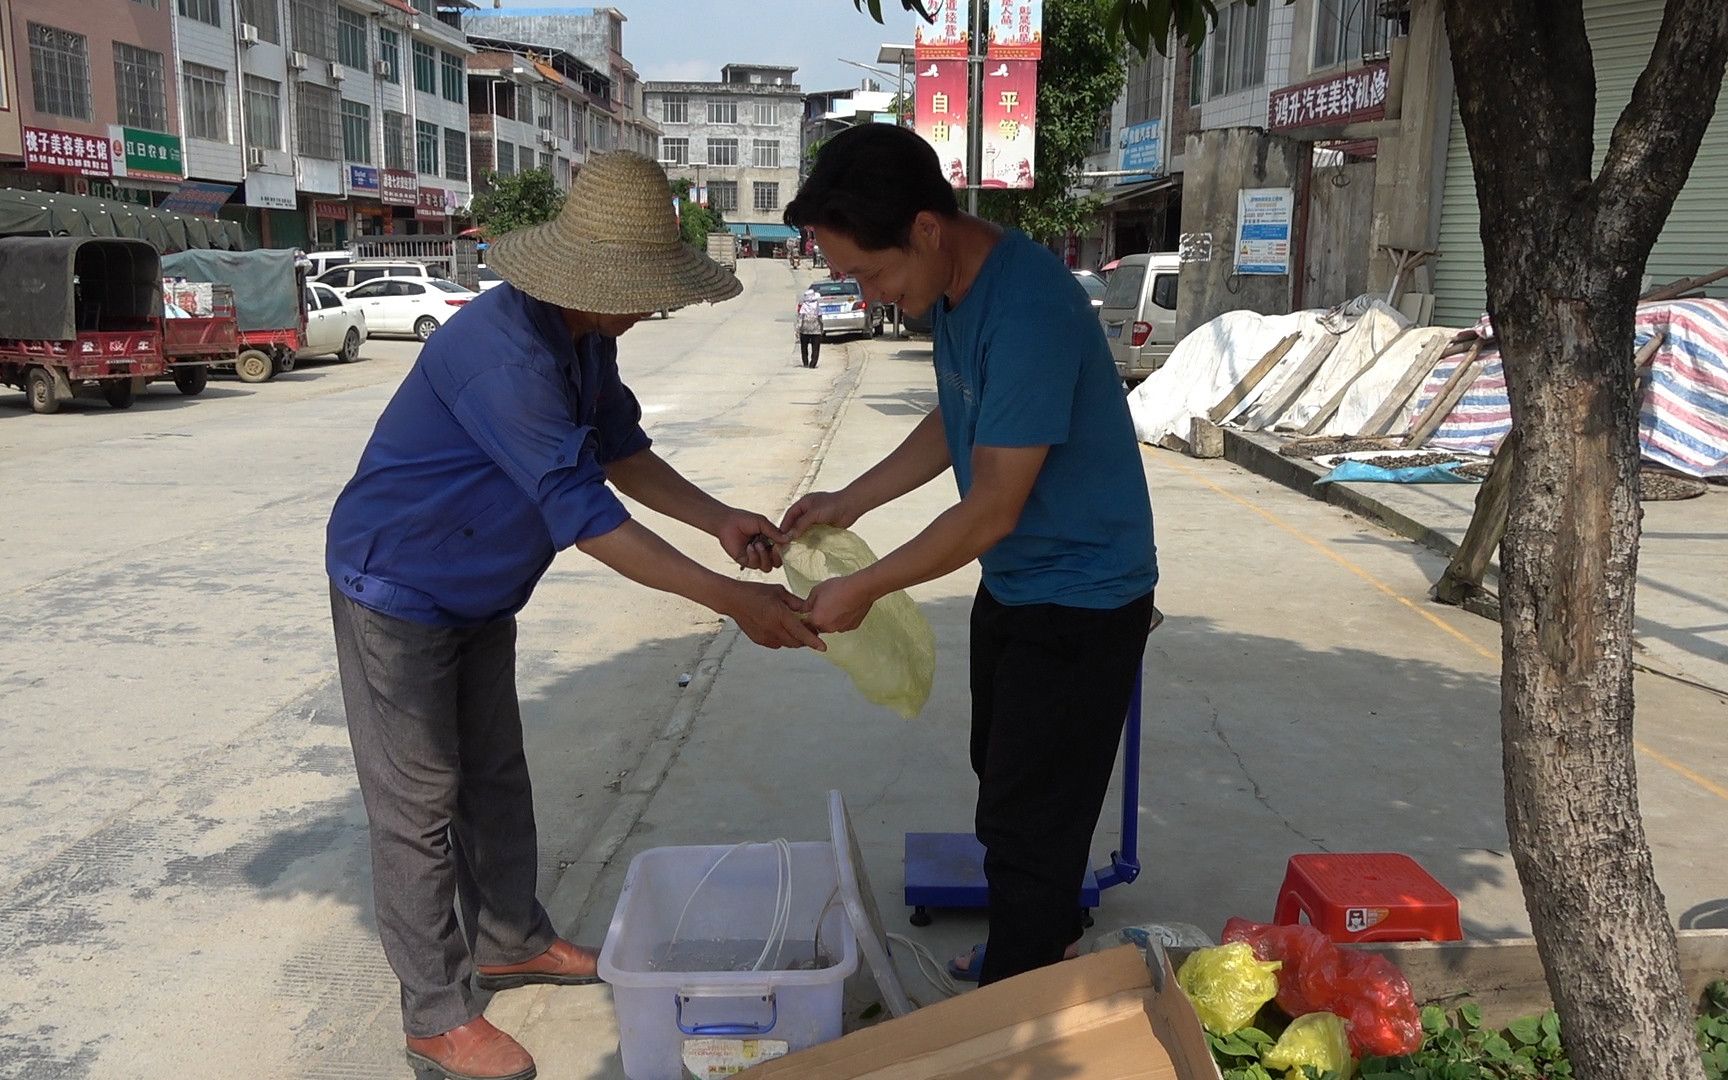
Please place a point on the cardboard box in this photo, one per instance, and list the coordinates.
(1108, 1016)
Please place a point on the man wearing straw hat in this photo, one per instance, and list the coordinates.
(500, 449)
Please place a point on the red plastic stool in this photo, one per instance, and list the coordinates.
(1367, 897)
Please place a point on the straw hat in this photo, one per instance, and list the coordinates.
(614, 249)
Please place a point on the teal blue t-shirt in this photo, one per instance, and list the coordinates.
(1022, 361)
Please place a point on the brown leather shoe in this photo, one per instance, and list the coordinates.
(474, 1051)
(563, 964)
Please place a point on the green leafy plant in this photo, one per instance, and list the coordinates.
(1713, 1031)
(695, 221)
(515, 202)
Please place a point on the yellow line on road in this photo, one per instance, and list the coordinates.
(1326, 549)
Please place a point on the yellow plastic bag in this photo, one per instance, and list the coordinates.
(891, 657)
(1227, 985)
(1318, 1039)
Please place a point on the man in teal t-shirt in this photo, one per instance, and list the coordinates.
(1031, 418)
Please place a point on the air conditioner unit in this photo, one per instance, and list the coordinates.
(336, 72)
(381, 68)
(298, 61)
(248, 34)
(255, 157)
(548, 139)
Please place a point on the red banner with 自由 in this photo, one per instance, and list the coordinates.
(941, 91)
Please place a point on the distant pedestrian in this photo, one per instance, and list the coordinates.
(501, 448)
(809, 328)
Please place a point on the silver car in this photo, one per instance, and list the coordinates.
(844, 309)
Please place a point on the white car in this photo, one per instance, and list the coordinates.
(333, 327)
(408, 306)
(489, 278)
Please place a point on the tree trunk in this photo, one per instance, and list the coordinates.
(1565, 251)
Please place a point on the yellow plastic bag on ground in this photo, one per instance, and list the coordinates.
(1318, 1039)
(1227, 985)
(891, 657)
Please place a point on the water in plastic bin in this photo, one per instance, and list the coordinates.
(738, 954)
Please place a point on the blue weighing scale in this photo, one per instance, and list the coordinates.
(946, 870)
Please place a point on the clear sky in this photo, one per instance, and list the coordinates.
(691, 39)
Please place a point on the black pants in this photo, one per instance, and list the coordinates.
(1050, 689)
(809, 348)
(437, 736)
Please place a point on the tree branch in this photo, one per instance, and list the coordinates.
(1664, 123)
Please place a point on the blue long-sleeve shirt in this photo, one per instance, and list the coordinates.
(487, 462)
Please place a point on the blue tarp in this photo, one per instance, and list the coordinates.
(1360, 472)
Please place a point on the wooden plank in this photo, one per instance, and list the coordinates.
(1253, 379)
(1675, 289)
(1326, 411)
(1463, 577)
(1452, 380)
(1443, 407)
(1269, 410)
(1648, 352)
(1390, 409)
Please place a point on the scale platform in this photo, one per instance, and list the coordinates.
(946, 870)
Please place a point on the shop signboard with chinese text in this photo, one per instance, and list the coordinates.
(1142, 157)
(270, 191)
(942, 97)
(146, 155)
(1263, 217)
(335, 211)
(1010, 117)
(47, 150)
(363, 179)
(397, 187)
(1348, 97)
(431, 204)
(1016, 30)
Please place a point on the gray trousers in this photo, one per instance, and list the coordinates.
(437, 738)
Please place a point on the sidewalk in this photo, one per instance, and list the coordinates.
(1301, 696)
(1682, 592)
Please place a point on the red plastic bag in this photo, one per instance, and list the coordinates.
(1366, 990)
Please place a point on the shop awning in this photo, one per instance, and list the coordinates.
(775, 233)
(1134, 191)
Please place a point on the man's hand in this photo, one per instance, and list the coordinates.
(819, 508)
(839, 604)
(770, 616)
(750, 540)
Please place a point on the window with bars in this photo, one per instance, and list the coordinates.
(543, 110)
(723, 112)
(767, 153)
(138, 87)
(1347, 31)
(261, 14)
(525, 158)
(506, 158)
(765, 196)
(318, 123)
(206, 90)
(357, 132)
(205, 11)
(455, 154)
(396, 154)
(425, 68)
(60, 71)
(314, 25)
(767, 112)
(675, 151)
(723, 194)
(1145, 88)
(722, 151)
(390, 51)
(545, 161)
(351, 43)
(675, 109)
(263, 112)
(563, 109)
(455, 79)
(426, 144)
(1236, 51)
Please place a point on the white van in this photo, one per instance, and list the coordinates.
(326, 260)
(1139, 313)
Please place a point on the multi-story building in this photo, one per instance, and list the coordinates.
(594, 36)
(531, 107)
(827, 112)
(739, 141)
(91, 93)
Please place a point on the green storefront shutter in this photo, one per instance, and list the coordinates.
(1695, 239)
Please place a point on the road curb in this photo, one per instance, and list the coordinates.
(572, 898)
(1259, 455)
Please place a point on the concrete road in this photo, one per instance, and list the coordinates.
(184, 888)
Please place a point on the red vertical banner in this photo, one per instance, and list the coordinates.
(946, 36)
(941, 113)
(1010, 117)
(1017, 30)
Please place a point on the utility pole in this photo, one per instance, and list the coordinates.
(975, 104)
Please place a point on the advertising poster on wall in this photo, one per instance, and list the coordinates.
(1010, 117)
(1263, 217)
(1142, 147)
